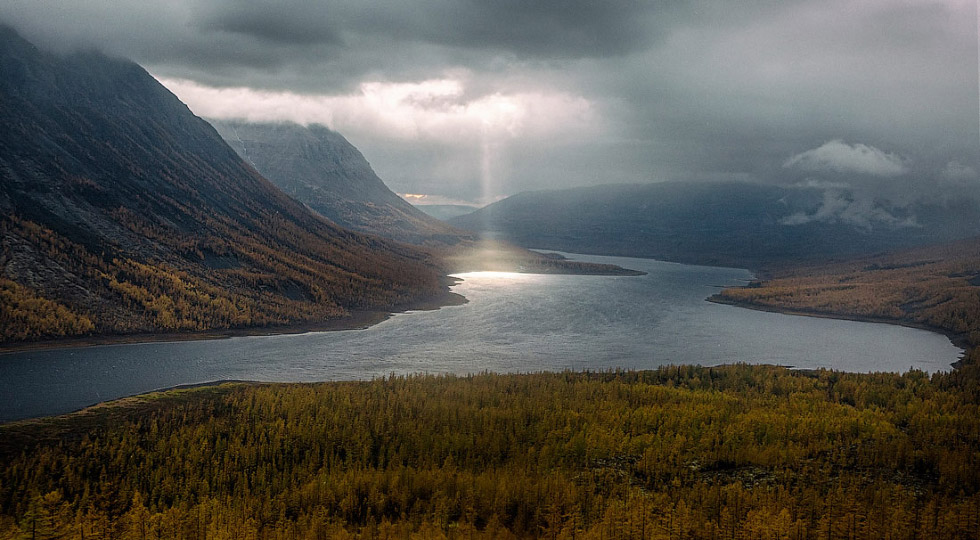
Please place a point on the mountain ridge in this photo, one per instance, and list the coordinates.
(717, 223)
(445, 212)
(121, 207)
(322, 169)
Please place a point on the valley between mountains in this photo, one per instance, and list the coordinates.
(125, 216)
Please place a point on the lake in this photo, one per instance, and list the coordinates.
(512, 323)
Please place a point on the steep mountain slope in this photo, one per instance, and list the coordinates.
(717, 223)
(121, 211)
(320, 168)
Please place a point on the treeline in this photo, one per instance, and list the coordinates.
(938, 287)
(25, 316)
(681, 452)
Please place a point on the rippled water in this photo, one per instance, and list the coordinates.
(513, 322)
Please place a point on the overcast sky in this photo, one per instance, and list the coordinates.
(471, 100)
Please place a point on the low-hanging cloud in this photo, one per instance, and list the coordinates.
(432, 137)
(837, 156)
(852, 207)
(436, 110)
(958, 174)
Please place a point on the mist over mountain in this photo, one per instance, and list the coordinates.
(724, 223)
(121, 211)
(320, 168)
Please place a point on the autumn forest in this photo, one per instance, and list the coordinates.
(680, 452)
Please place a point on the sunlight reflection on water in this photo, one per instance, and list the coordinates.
(498, 276)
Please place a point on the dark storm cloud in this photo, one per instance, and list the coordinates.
(683, 89)
(273, 23)
(535, 29)
(897, 76)
(323, 45)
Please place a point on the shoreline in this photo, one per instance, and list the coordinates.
(363, 319)
(367, 318)
(357, 320)
(959, 340)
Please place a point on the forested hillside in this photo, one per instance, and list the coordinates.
(121, 212)
(724, 452)
(937, 287)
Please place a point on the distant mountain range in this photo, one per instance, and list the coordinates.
(320, 168)
(721, 223)
(121, 211)
(446, 212)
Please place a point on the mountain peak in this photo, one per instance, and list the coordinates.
(320, 168)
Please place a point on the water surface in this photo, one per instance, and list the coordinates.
(512, 323)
